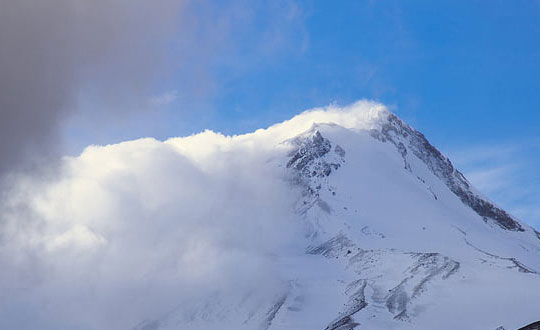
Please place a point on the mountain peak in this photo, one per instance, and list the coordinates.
(339, 218)
(387, 127)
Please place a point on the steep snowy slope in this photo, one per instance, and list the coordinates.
(393, 237)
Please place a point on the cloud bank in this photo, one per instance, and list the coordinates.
(131, 230)
(51, 53)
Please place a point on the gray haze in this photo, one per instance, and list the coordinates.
(52, 50)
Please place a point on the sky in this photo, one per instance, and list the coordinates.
(465, 73)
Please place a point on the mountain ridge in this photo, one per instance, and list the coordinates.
(390, 283)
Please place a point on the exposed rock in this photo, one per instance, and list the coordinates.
(272, 312)
(312, 163)
(310, 149)
(344, 323)
(532, 326)
(537, 234)
(357, 302)
(335, 247)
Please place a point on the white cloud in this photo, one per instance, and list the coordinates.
(130, 230)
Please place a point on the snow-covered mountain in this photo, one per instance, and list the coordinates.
(337, 219)
(393, 237)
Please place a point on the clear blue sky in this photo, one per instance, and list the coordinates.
(465, 73)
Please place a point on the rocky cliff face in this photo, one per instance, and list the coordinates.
(312, 160)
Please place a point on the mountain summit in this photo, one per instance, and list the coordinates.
(394, 237)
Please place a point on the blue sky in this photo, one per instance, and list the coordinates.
(465, 73)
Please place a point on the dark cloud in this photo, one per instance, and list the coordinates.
(52, 50)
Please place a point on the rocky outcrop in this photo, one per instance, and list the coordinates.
(312, 160)
(272, 312)
(308, 159)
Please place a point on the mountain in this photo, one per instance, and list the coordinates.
(392, 236)
(337, 219)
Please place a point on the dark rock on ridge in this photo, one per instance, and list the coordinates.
(532, 326)
(397, 132)
(309, 150)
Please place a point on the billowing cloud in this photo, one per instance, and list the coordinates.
(123, 231)
(138, 228)
(132, 230)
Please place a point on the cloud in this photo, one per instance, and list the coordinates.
(129, 231)
(54, 53)
(137, 228)
(95, 241)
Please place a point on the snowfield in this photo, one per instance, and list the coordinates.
(340, 218)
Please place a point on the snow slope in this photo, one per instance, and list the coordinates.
(394, 237)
